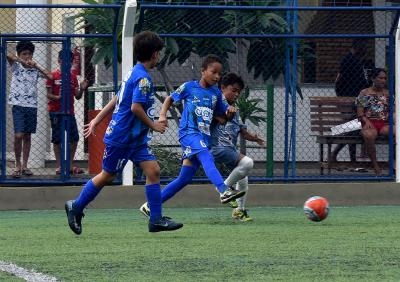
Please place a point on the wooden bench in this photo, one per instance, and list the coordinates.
(327, 112)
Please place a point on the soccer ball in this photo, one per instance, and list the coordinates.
(316, 208)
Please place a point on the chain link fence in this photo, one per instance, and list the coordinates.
(260, 45)
(38, 146)
(286, 56)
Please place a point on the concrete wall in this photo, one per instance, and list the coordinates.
(338, 194)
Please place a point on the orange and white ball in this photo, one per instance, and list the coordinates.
(316, 208)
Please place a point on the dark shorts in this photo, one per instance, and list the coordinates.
(115, 159)
(25, 119)
(56, 132)
(226, 155)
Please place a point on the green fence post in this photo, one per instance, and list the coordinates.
(270, 131)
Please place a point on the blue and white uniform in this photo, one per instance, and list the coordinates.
(127, 136)
(224, 139)
(200, 104)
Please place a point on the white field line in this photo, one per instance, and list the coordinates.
(28, 275)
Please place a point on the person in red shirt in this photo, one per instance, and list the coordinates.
(56, 114)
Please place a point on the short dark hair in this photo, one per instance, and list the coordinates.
(145, 44)
(230, 79)
(209, 59)
(376, 71)
(60, 55)
(25, 45)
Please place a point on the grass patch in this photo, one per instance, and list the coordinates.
(353, 244)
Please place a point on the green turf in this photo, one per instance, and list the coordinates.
(353, 244)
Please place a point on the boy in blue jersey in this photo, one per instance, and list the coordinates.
(224, 135)
(201, 99)
(127, 136)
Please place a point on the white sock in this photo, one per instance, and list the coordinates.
(240, 171)
(242, 185)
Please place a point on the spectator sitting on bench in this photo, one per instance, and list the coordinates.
(373, 112)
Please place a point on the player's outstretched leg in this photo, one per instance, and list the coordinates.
(164, 224)
(240, 212)
(227, 194)
(74, 208)
(185, 177)
(74, 217)
(157, 222)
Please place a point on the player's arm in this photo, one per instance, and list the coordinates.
(90, 128)
(251, 137)
(11, 58)
(221, 119)
(230, 112)
(33, 64)
(83, 85)
(139, 112)
(50, 94)
(164, 109)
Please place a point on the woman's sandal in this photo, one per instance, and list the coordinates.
(17, 173)
(27, 172)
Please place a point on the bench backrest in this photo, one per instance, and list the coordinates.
(327, 112)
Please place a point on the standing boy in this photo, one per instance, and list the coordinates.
(54, 107)
(127, 136)
(200, 99)
(23, 98)
(224, 134)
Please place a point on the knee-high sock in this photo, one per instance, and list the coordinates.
(207, 161)
(88, 194)
(240, 171)
(153, 195)
(242, 185)
(185, 177)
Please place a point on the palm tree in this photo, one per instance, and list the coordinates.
(249, 110)
(267, 65)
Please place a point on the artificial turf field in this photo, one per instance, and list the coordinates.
(352, 244)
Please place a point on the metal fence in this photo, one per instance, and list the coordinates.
(286, 55)
(296, 51)
(73, 31)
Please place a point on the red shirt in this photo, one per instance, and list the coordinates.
(55, 84)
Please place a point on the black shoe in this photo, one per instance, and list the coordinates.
(74, 217)
(164, 224)
(231, 194)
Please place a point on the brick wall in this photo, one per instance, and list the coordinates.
(330, 51)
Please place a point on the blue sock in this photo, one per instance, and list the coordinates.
(153, 195)
(211, 171)
(185, 177)
(88, 193)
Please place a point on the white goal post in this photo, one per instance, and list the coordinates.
(127, 64)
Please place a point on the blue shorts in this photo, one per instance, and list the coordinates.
(226, 155)
(25, 119)
(55, 120)
(192, 144)
(115, 158)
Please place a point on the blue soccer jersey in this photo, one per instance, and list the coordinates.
(199, 106)
(226, 135)
(125, 129)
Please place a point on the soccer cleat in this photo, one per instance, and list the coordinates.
(233, 204)
(164, 224)
(241, 215)
(231, 194)
(145, 210)
(74, 217)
